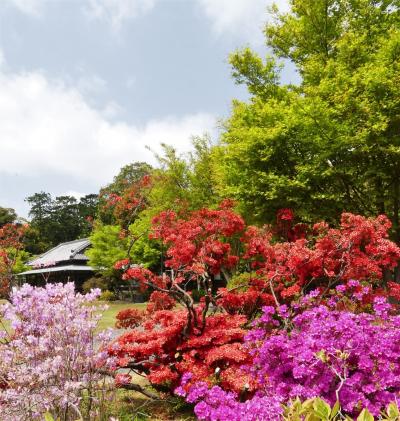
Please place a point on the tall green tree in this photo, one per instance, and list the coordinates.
(107, 248)
(332, 142)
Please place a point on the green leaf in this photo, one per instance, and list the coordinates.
(335, 410)
(393, 411)
(365, 415)
(48, 417)
(322, 409)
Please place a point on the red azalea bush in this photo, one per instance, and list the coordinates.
(358, 249)
(160, 351)
(11, 236)
(207, 338)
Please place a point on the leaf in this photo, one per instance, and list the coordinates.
(48, 417)
(365, 415)
(307, 404)
(312, 417)
(335, 410)
(393, 411)
(322, 409)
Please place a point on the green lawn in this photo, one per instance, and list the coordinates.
(108, 319)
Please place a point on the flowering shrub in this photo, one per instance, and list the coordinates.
(51, 356)
(358, 249)
(217, 405)
(337, 355)
(166, 342)
(11, 246)
(159, 350)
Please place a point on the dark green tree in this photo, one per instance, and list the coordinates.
(7, 216)
(58, 220)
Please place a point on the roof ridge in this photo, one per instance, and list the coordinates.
(81, 248)
(43, 255)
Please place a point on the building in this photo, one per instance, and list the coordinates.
(63, 263)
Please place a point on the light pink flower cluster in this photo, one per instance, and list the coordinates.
(49, 353)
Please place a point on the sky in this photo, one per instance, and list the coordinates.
(87, 85)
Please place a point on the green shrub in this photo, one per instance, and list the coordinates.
(241, 279)
(107, 296)
(316, 409)
(95, 282)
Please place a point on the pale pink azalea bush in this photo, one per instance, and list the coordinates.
(50, 355)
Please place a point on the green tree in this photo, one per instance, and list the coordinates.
(331, 143)
(58, 220)
(64, 219)
(7, 216)
(87, 211)
(107, 248)
(180, 182)
(41, 225)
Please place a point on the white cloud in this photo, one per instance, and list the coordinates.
(29, 7)
(116, 12)
(78, 195)
(47, 127)
(241, 18)
(91, 84)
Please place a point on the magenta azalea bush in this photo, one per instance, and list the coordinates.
(49, 353)
(321, 352)
(218, 405)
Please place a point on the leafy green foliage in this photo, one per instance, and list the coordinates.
(7, 216)
(330, 144)
(108, 246)
(316, 409)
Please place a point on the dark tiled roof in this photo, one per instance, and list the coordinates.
(64, 252)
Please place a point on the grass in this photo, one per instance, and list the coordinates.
(114, 307)
(108, 318)
(130, 406)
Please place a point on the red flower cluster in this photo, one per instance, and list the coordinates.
(247, 302)
(160, 350)
(11, 236)
(358, 249)
(198, 243)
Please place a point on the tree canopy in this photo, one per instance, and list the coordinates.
(330, 143)
(58, 220)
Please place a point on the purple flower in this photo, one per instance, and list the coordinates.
(283, 311)
(353, 283)
(314, 293)
(341, 288)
